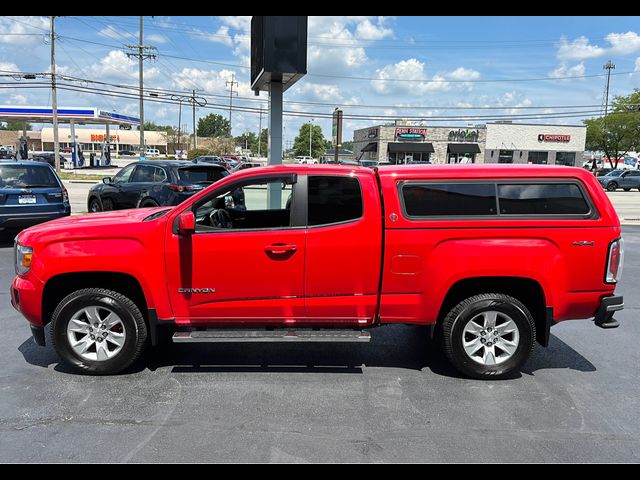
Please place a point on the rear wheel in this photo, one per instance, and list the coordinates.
(612, 187)
(98, 331)
(488, 336)
(94, 205)
(627, 189)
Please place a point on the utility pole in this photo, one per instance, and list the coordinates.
(54, 100)
(195, 132)
(231, 83)
(179, 125)
(310, 130)
(260, 131)
(142, 55)
(608, 67)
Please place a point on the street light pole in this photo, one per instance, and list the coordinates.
(54, 101)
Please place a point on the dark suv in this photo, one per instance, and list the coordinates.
(30, 193)
(152, 184)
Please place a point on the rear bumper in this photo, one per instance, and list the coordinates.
(20, 222)
(608, 306)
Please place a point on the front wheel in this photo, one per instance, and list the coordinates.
(488, 336)
(94, 206)
(627, 189)
(98, 331)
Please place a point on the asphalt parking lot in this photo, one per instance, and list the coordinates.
(393, 400)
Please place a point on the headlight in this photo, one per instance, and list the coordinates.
(24, 256)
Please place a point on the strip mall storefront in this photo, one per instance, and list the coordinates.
(535, 143)
(399, 143)
(92, 139)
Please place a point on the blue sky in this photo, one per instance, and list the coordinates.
(424, 67)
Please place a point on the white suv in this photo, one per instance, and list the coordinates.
(306, 159)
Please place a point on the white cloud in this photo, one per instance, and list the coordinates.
(18, 99)
(581, 49)
(565, 71)
(465, 74)
(242, 23)
(9, 67)
(114, 33)
(315, 91)
(411, 69)
(117, 66)
(24, 30)
(366, 30)
(156, 38)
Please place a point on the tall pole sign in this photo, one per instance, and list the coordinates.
(336, 133)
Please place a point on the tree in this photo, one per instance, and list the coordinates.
(14, 125)
(347, 145)
(214, 125)
(618, 132)
(247, 140)
(264, 142)
(301, 143)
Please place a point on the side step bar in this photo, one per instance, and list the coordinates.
(281, 335)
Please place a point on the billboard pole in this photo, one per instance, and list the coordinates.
(336, 133)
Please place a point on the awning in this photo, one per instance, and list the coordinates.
(411, 147)
(370, 147)
(464, 148)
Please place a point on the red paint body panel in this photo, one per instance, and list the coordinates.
(334, 275)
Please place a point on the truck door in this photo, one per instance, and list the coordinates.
(343, 248)
(244, 264)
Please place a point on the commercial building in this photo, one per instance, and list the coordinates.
(535, 143)
(92, 139)
(400, 142)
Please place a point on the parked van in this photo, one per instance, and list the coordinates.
(152, 152)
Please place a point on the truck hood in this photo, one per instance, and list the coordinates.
(106, 222)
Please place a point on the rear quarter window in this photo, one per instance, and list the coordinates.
(542, 199)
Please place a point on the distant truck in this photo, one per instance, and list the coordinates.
(490, 257)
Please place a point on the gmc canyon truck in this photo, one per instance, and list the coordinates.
(489, 256)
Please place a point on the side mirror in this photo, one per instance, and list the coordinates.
(186, 223)
(107, 180)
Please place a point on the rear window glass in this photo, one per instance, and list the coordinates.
(201, 175)
(542, 199)
(27, 176)
(449, 199)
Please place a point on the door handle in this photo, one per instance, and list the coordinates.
(280, 249)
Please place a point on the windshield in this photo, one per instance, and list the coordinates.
(26, 176)
(614, 173)
(201, 174)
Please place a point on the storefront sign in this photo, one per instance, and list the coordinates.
(373, 133)
(554, 138)
(409, 132)
(464, 135)
(102, 138)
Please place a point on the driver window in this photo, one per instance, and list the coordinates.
(247, 207)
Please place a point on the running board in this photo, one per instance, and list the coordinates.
(243, 336)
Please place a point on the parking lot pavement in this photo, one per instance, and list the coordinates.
(393, 400)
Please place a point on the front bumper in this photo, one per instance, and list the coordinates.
(608, 306)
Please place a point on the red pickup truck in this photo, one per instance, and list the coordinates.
(489, 256)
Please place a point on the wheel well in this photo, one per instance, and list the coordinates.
(526, 290)
(60, 286)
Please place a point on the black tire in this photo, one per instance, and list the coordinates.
(132, 320)
(95, 205)
(107, 205)
(612, 187)
(455, 321)
(627, 189)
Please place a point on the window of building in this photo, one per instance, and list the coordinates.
(505, 156)
(333, 200)
(542, 199)
(566, 158)
(539, 158)
(448, 199)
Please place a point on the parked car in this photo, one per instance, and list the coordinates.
(245, 165)
(625, 179)
(369, 163)
(212, 159)
(127, 152)
(47, 157)
(152, 152)
(152, 183)
(490, 257)
(30, 193)
(6, 154)
(603, 171)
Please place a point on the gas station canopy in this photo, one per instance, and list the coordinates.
(77, 115)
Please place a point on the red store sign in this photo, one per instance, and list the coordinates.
(554, 138)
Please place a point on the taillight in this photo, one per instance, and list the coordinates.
(184, 188)
(65, 196)
(615, 260)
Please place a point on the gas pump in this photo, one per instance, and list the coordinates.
(105, 158)
(77, 157)
(23, 149)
